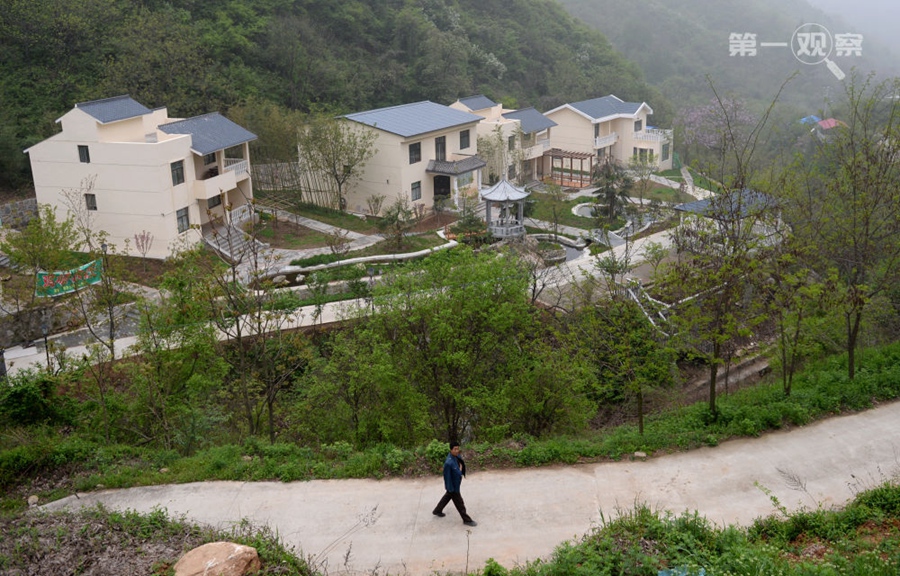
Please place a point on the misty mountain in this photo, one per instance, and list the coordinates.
(679, 43)
(876, 19)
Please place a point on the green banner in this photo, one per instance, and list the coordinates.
(59, 283)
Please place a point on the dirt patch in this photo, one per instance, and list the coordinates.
(90, 543)
(435, 222)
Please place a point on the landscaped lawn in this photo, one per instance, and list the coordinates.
(328, 216)
(543, 210)
(674, 174)
(665, 194)
(290, 236)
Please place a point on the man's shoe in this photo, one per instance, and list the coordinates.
(470, 523)
(438, 514)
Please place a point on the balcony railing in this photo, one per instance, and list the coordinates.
(654, 135)
(214, 185)
(237, 165)
(604, 141)
(506, 230)
(537, 149)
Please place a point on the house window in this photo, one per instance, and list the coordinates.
(512, 143)
(665, 152)
(596, 130)
(84, 154)
(464, 180)
(214, 201)
(184, 221)
(511, 173)
(209, 159)
(177, 172)
(416, 191)
(638, 125)
(440, 148)
(463, 139)
(90, 201)
(415, 152)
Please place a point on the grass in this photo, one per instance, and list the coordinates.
(822, 390)
(288, 236)
(861, 540)
(699, 179)
(666, 194)
(127, 542)
(385, 247)
(543, 210)
(327, 215)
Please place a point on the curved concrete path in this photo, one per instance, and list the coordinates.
(356, 526)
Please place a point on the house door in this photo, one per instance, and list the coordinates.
(441, 187)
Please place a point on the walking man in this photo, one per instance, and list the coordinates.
(454, 470)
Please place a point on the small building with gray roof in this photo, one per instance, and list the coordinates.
(132, 170)
(605, 129)
(425, 153)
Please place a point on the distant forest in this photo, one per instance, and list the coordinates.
(197, 56)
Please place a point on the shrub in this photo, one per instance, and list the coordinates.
(435, 453)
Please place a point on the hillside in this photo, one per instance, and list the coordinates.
(195, 56)
(677, 43)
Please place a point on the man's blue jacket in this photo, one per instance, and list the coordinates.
(454, 470)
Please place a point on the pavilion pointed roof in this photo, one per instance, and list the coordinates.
(504, 191)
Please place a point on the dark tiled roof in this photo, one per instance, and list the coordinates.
(606, 106)
(210, 132)
(113, 109)
(455, 168)
(413, 119)
(531, 120)
(726, 206)
(479, 102)
(504, 191)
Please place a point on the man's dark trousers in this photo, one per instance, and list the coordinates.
(457, 501)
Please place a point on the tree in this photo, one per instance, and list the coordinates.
(237, 296)
(397, 220)
(613, 188)
(44, 245)
(82, 218)
(275, 163)
(654, 253)
(451, 329)
(710, 282)
(557, 200)
(707, 284)
(338, 150)
(643, 167)
(625, 351)
(846, 208)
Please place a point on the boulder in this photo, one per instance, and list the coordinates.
(218, 559)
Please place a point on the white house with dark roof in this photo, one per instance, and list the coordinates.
(424, 152)
(523, 137)
(604, 129)
(150, 172)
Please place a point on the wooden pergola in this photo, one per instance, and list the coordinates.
(564, 172)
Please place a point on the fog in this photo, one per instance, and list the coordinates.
(878, 18)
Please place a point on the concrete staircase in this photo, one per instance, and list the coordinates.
(232, 243)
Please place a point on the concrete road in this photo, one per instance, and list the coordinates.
(356, 526)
